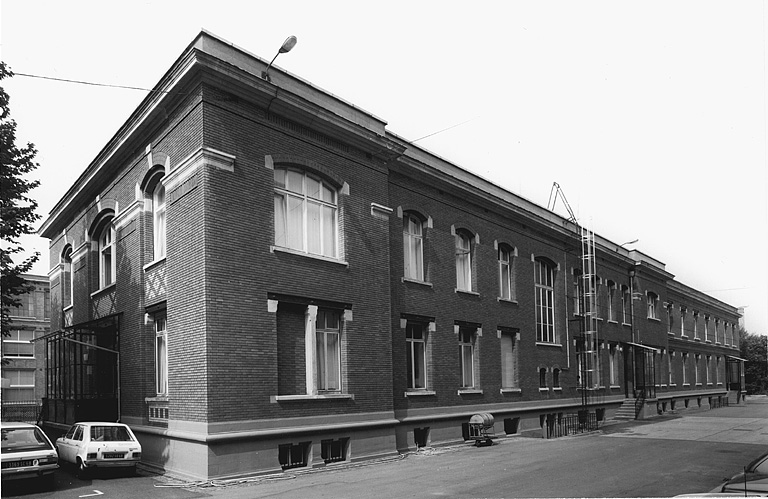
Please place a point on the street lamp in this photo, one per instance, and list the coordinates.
(287, 45)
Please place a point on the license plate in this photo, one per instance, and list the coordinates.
(113, 455)
(17, 464)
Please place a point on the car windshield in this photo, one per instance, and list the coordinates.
(110, 434)
(23, 440)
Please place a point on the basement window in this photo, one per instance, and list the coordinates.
(420, 436)
(333, 451)
(293, 455)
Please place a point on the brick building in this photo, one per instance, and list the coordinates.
(256, 275)
(24, 359)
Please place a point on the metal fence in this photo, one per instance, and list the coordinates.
(561, 425)
(23, 411)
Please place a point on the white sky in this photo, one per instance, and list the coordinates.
(651, 115)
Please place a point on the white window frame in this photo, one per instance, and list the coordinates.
(158, 221)
(68, 276)
(328, 372)
(505, 256)
(509, 361)
(653, 303)
(611, 298)
(613, 372)
(107, 255)
(413, 247)
(463, 251)
(15, 383)
(670, 367)
(413, 344)
(15, 338)
(282, 205)
(544, 279)
(467, 338)
(161, 354)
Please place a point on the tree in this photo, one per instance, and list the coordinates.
(16, 207)
(754, 348)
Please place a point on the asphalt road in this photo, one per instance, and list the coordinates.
(688, 452)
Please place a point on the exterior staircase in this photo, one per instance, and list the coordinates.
(629, 409)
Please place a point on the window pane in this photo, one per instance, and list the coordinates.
(159, 232)
(329, 231)
(333, 362)
(280, 178)
(328, 195)
(294, 181)
(466, 365)
(295, 223)
(507, 362)
(313, 228)
(313, 188)
(418, 365)
(281, 238)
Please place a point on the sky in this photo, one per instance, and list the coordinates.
(650, 115)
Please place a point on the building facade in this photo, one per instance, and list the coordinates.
(256, 275)
(24, 357)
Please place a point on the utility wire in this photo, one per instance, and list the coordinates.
(443, 130)
(92, 83)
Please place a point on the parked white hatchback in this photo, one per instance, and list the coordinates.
(99, 445)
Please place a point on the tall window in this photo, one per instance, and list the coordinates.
(413, 247)
(306, 213)
(17, 344)
(670, 318)
(415, 339)
(158, 221)
(161, 355)
(328, 351)
(556, 378)
(543, 377)
(67, 279)
(463, 261)
(685, 369)
(505, 273)
(509, 378)
(467, 357)
(544, 279)
(706, 328)
(613, 367)
(107, 255)
(709, 368)
(653, 305)
(670, 370)
(683, 313)
(695, 324)
(578, 292)
(611, 298)
(626, 305)
(696, 369)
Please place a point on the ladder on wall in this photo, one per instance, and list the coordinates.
(590, 374)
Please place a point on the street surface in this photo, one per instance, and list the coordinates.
(688, 452)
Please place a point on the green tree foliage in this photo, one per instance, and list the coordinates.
(16, 207)
(754, 348)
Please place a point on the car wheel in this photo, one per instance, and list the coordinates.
(82, 470)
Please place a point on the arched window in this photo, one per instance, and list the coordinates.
(67, 278)
(463, 261)
(626, 315)
(306, 213)
(556, 378)
(413, 247)
(506, 274)
(544, 278)
(543, 377)
(106, 240)
(158, 221)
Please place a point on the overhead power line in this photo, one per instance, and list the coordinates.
(81, 82)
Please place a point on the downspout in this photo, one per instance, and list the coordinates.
(567, 334)
(632, 329)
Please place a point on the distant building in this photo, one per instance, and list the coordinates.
(24, 361)
(256, 275)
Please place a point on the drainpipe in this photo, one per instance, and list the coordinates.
(632, 329)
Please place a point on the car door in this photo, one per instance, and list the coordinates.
(64, 445)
